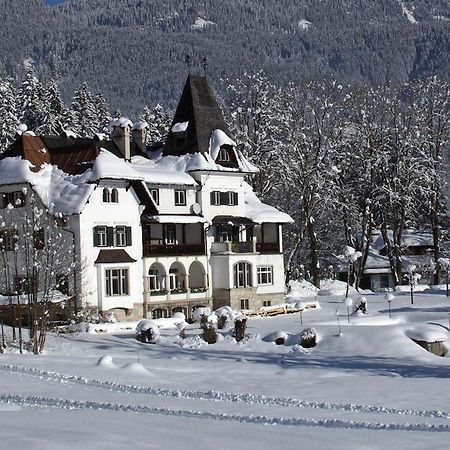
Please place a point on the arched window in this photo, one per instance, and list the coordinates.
(114, 196)
(224, 155)
(106, 195)
(156, 277)
(242, 275)
(159, 313)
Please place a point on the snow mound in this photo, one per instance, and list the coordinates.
(427, 333)
(180, 127)
(337, 287)
(135, 367)
(300, 288)
(106, 362)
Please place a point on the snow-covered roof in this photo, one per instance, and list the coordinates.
(60, 193)
(180, 127)
(410, 238)
(259, 212)
(217, 139)
(121, 122)
(168, 170)
(109, 166)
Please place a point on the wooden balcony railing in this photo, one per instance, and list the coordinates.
(267, 247)
(175, 249)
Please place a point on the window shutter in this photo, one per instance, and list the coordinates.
(109, 236)
(128, 235)
(224, 198)
(212, 198)
(235, 198)
(95, 236)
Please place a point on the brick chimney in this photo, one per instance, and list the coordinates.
(139, 133)
(120, 135)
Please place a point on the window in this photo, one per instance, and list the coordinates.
(155, 195)
(265, 275)
(101, 235)
(224, 233)
(15, 199)
(170, 234)
(223, 156)
(121, 237)
(174, 279)
(228, 198)
(116, 282)
(242, 275)
(267, 303)
(114, 196)
(106, 196)
(8, 239)
(39, 239)
(153, 280)
(159, 313)
(215, 198)
(180, 197)
(245, 304)
(384, 281)
(231, 198)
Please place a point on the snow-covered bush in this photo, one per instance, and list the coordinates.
(181, 326)
(362, 305)
(209, 329)
(308, 338)
(280, 337)
(225, 314)
(240, 326)
(147, 331)
(200, 312)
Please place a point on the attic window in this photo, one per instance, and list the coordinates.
(224, 155)
(114, 196)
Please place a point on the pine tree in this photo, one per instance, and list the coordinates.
(54, 113)
(31, 103)
(159, 121)
(102, 113)
(9, 119)
(83, 113)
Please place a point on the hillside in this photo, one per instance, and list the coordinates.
(134, 51)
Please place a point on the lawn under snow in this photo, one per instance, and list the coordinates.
(370, 387)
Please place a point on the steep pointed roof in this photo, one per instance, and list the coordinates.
(200, 109)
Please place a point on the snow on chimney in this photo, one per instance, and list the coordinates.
(139, 133)
(120, 134)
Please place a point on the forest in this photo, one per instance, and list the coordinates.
(342, 161)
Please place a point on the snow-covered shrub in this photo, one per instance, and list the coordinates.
(147, 331)
(181, 326)
(308, 338)
(240, 326)
(200, 312)
(225, 314)
(280, 337)
(209, 329)
(362, 305)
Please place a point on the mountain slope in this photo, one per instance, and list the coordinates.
(134, 50)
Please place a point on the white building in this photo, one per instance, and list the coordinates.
(158, 231)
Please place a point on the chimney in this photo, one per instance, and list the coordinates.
(139, 133)
(120, 135)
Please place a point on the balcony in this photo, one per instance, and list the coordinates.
(267, 247)
(233, 247)
(173, 249)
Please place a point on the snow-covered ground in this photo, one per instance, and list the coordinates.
(370, 387)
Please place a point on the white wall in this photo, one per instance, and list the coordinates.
(126, 212)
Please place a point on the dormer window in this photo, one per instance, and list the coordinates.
(114, 196)
(224, 155)
(110, 196)
(106, 196)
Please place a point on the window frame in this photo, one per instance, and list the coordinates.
(242, 275)
(119, 280)
(245, 304)
(264, 272)
(106, 195)
(114, 196)
(9, 238)
(180, 197)
(154, 192)
(154, 279)
(102, 235)
(120, 235)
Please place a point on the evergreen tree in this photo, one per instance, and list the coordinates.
(83, 117)
(31, 103)
(54, 113)
(159, 121)
(9, 119)
(102, 113)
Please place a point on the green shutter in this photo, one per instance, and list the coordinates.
(235, 198)
(224, 198)
(128, 235)
(95, 236)
(109, 236)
